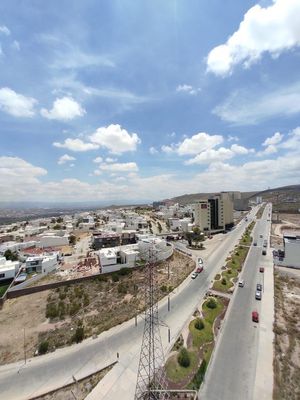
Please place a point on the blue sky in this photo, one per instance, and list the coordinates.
(123, 101)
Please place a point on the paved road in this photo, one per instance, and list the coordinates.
(45, 373)
(231, 374)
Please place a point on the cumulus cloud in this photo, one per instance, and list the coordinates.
(4, 29)
(219, 155)
(249, 107)
(187, 89)
(153, 150)
(110, 160)
(64, 109)
(76, 145)
(16, 104)
(273, 140)
(115, 139)
(120, 167)
(199, 142)
(272, 29)
(64, 159)
(98, 160)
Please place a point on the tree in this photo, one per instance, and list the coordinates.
(43, 347)
(199, 324)
(79, 334)
(59, 220)
(57, 227)
(184, 358)
(159, 227)
(211, 304)
(72, 239)
(9, 255)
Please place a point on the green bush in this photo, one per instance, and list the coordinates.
(115, 277)
(122, 288)
(217, 277)
(43, 347)
(51, 310)
(211, 303)
(224, 282)
(199, 324)
(74, 308)
(184, 358)
(125, 271)
(164, 288)
(102, 278)
(78, 335)
(229, 271)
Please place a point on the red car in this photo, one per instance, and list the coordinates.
(255, 316)
(261, 269)
(199, 269)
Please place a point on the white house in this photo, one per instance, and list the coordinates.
(8, 268)
(41, 264)
(290, 256)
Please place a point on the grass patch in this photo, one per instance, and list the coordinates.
(175, 372)
(3, 289)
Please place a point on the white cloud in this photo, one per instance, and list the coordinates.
(272, 29)
(110, 160)
(115, 139)
(198, 143)
(237, 149)
(16, 45)
(187, 89)
(76, 145)
(211, 155)
(65, 158)
(64, 109)
(4, 29)
(98, 160)
(153, 150)
(16, 104)
(120, 167)
(97, 172)
(293, 141)
(249, 107)
(232, 138)
(273, 140)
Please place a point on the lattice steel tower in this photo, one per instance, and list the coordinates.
(151, 377)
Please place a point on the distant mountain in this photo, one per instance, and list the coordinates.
(191, 198)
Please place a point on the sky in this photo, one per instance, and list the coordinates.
(126, 101)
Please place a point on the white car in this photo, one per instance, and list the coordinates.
(194, 275)
(241, 283)
(200, 261)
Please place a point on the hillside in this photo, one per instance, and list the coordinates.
(190, 198)
(285, 199)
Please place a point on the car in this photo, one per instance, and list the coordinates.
(194, 275)
(261, 269)
(258, 295)
(255, 244)
(255, 316)
(264, 252)
(260, 236)
(241, 283)
(259, 287)
(199, 269)
(200, 261)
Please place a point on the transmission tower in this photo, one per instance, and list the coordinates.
(151, 379)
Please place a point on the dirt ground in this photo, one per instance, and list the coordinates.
(78, 390)
(23, 313)
(97, 305)
(288, 222)
(287, 334)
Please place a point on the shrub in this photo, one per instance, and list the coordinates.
(217, 277)
(171, 288)
(78, 335)
(224, 282)
(102, 278)
(125, 271)
(229, 271)
(122, 288)
(199, 324)
(51, 310)
(164, 288)
(43, 347)
(184, 358)
(115, 277)
(74, 308)
(211, 303)
(86, 300)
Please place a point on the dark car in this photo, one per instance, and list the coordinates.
(255, 244)
(259, 287)
(199, 269)
(261, 269)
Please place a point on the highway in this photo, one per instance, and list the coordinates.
(231, 373)
(45, 373)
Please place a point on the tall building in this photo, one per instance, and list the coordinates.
(214, 214)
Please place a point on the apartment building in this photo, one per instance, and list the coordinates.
(290, 255)
(214, 214)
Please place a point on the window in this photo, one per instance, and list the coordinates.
(2, 275)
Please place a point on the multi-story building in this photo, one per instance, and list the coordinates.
(8, 269)
(290, 255)
(41, 264)
(214, 214)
